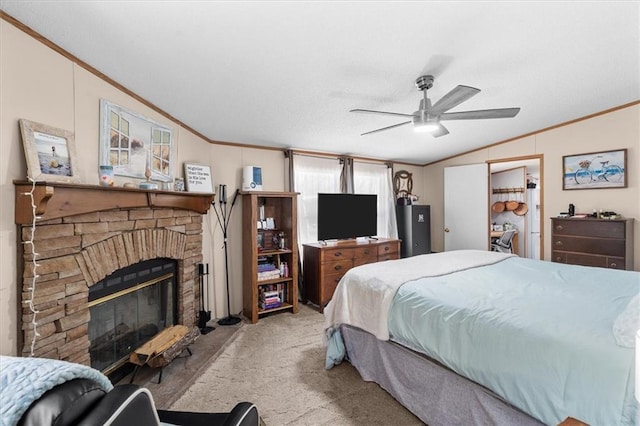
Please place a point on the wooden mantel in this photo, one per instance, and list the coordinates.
(54, 200)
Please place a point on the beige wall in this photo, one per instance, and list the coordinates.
(41, 85)
(615, 130)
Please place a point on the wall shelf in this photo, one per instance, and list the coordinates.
(54, 200)
(507, 190)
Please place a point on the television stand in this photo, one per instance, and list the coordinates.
(326, 262)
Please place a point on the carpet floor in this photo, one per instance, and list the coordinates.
(278, 364)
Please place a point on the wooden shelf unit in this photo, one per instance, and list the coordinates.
(326, 264)
(607, 243)
(282, 207)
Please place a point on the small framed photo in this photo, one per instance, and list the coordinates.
(50, 153)
(198, 178)
(595, 170)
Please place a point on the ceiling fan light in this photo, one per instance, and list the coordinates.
(425, 124)
(426, 127)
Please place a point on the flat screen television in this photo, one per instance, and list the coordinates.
(343, 216)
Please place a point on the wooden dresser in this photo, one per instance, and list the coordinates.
(592, 242)
(325, 264)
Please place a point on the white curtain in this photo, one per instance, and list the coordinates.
(375, 178)
(313, 175)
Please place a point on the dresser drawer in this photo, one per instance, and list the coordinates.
(339, 266)
(559, 256)
(364, 255)
(387, 248)
(587, 260)
(390, 256)
(589, 228)
(329, 255)
(603, 246)
(616, 263)
(329, 286)
(600, 261)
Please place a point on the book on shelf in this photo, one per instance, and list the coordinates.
(268, 275)
(264, 308)
(267, 291)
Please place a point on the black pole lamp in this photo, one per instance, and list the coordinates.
(223, 219)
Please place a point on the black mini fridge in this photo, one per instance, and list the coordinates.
(414, 229)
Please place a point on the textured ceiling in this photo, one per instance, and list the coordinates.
(286, 74)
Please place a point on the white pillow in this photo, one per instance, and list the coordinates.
(628, 323)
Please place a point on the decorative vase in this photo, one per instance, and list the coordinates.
(106, 175)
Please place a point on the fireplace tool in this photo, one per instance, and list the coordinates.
(205, 315)
(223, 219)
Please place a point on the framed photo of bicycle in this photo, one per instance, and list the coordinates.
(595, 170)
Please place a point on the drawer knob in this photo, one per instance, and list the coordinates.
(338, 254)
(386, 248)
(559, 227)
(366, 251)
(614, 264)
(558, 259)
(558, 243)
(337, 267)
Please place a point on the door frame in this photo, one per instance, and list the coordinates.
(540, 158)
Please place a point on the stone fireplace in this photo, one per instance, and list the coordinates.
(86, 233)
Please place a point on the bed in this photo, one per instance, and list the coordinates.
(479, 337)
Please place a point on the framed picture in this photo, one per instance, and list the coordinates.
(595, 170)
(132, 144)
(50, 152)
(198, 178)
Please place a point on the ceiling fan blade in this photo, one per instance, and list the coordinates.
(453, 98)
(481, 114)
(441, 131)
(370, 111)
(386, 128)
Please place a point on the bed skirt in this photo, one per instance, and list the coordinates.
(435, 394)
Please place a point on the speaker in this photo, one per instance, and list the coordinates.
(414, 229)
(252, 178)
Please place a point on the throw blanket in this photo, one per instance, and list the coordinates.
(364, 295)
(24, 380)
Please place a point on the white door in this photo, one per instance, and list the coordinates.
(466, 207)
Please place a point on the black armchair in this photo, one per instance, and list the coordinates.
(83, 402)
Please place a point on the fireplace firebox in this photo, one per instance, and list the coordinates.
(128, 308)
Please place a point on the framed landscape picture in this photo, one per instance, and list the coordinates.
(595, 170)
(50, 152)
(134, 144)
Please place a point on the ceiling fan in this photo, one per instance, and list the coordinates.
(428, 117)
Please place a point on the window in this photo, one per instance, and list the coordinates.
(119, 148)
(374, 178)
(160, 150)
(313, 175)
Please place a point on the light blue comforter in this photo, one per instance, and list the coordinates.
(537, 333)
